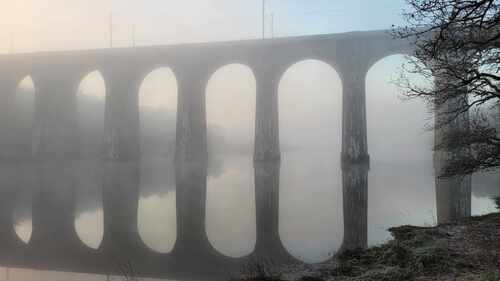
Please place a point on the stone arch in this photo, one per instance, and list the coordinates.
(230, 106)
(91, 96)
(158, 95)
(323, 59)
(310, 109)
(387, 54)
(401, 151)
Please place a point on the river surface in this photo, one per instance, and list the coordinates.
(310, 225)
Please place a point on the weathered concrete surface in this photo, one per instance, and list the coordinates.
(191, 163)
(355, 160)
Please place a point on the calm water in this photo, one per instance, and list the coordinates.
(311, 225)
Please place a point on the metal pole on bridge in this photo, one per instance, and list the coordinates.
(263, 19)
(272, 25)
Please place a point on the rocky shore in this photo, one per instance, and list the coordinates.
(467, 250)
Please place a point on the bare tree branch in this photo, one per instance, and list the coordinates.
(458, 41)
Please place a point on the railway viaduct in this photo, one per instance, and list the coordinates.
(55, 150)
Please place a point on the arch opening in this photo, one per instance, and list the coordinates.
(230, 208)
(89, 221)
(310, 112)
(157, 221)
(400, 142)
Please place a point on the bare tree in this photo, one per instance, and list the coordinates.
(459, 43)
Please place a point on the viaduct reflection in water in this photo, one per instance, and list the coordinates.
(267, 176)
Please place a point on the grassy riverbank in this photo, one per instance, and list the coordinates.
(464, 250)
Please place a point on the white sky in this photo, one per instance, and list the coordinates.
(82, 24)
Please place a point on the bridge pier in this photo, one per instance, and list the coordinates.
(192, 247)
(355, 161)
(453, 194)
(56, 149)
(12, 161)
(121, 242)
(267, 162)
(8, 88)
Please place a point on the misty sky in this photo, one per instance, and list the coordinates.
(83, 24)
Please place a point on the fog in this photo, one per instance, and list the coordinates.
(401, 177)
(37, 26)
